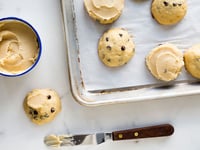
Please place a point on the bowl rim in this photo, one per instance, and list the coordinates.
(39, 47)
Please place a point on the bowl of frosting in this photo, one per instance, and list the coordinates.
(20, 47)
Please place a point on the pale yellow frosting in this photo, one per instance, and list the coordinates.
(165, 62)
(18, 47)
(105, 11)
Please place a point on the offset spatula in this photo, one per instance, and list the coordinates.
(98, 138)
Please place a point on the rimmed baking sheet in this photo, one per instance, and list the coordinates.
(93, 83)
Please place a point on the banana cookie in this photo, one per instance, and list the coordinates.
(168, 12)
(104, 11)
(192, 60)
(116, 47)
(42, 105)
(165, 62)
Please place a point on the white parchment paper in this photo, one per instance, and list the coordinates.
(147, 33)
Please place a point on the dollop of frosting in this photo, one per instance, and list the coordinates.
(165, 62)
(104, 11)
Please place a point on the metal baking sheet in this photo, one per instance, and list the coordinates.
(93, 84)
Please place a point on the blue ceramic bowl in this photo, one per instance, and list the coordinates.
(30, 30)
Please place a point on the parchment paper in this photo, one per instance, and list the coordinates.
(147, 33)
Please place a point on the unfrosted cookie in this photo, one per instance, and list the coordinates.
(165, 62)
(104, 11)
(168, 12)
(42, 105)
(116, 47)
(192, 60)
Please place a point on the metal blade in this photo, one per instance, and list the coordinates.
(70, 140)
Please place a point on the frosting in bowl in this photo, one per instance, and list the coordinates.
(19, 47)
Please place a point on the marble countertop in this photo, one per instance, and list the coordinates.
(16, 130)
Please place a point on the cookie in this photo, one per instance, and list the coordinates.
(42, 105)
(104, 11)
(165, 62)
(192, 60)
(168, 12)
(116, 47)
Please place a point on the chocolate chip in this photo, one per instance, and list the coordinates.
(46, 115)
(109, 47)
(49, 97)
(109, 60)
(165, 3)
(107, 39)
(35, 112)
(123, 48)
(120, 35)
(52, 110)
(179, 4)
(174, 4)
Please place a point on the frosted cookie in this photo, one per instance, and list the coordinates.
(165, 62)
(42, 105)
(116, 47)
(168, 12)
(192, 60)
(104, 11)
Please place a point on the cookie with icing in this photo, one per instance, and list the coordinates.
(104, 11)
(42, 105)
(165, 62)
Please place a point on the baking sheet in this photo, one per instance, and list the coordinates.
(94, 84)
(147, 33)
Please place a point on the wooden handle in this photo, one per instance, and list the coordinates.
(145, 132)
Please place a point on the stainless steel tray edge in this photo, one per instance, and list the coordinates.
(121, 95)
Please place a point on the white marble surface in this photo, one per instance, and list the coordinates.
(16, 130)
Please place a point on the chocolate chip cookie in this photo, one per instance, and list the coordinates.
(116, 47)
(192, 60)
(42, 105)
(168, 12)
